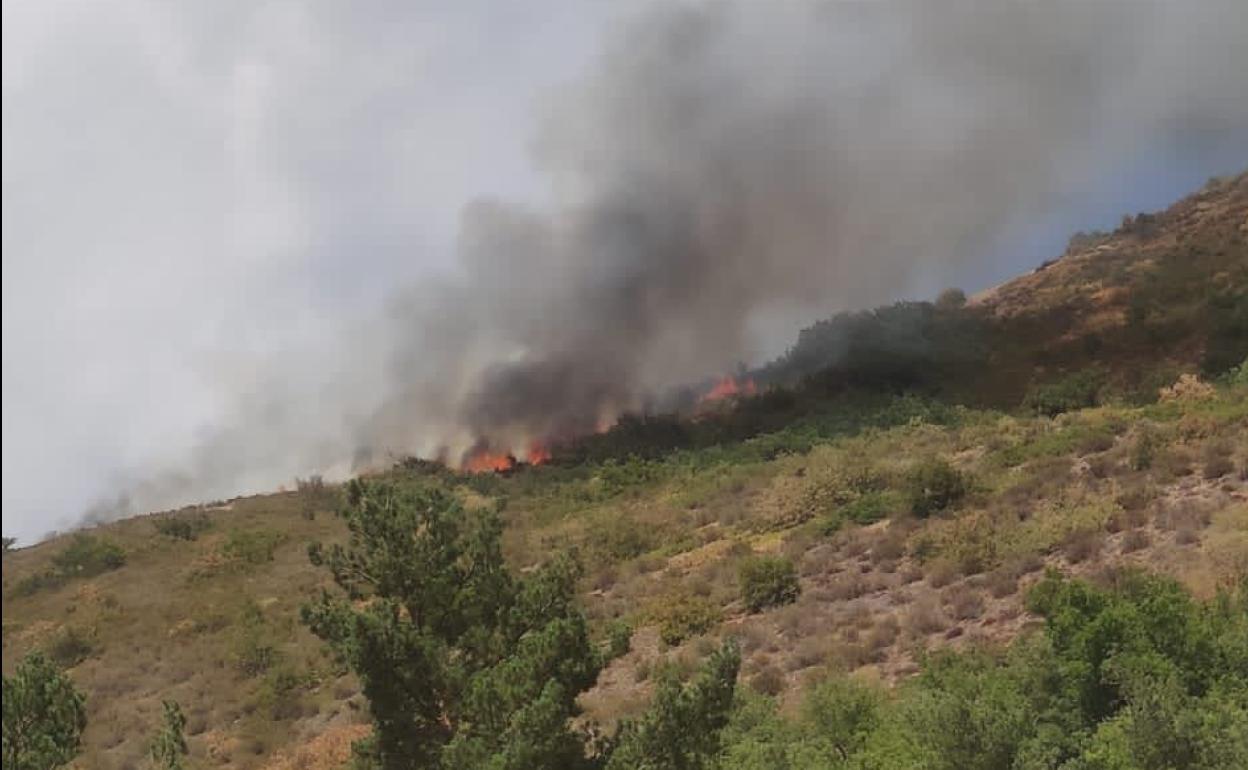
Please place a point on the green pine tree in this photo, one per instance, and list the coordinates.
(44, 716)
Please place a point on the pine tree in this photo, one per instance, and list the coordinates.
(44, 716)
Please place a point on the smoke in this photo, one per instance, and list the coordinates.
(725, 172)
(730, 163)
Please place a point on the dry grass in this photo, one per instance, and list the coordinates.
(1136, 540)
(963, 602)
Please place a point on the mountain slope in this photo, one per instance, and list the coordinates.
(1035, 409)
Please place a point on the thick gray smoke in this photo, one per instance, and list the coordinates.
(731, 163)
(730, 169)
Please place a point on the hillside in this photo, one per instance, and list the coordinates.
(921, 465)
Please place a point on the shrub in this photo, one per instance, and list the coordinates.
(934, 486)
(768, 581)
(964, 603)
(622, 538)
(182, 527)
(84, 557)
(768, 681)
(70, 647)
(314, 496)
(619, 639)
(252, 546)
(867, 509)
(1144, 449)
(1083, 545)
(1076, 391)
(682, 617)
(169, 744)
(44, 716)
(1135, 540)
(1217, 461)
(254, 651)
(87, 556)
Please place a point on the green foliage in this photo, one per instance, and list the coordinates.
(1227, 344)
(681, 730)
(681, 617)
(768, 581)
(86, 556)
(1076, 391)
(933, 486)
(619, 639)
(621, 538)
(44, 716)
(254, 649)
(464, 664)
(843, 712)
(252, 546)
(1235, 376)
(868, 508)
(182, 527)
(1144, 449)
(1138, 676)
(70, 646)
(168, 747)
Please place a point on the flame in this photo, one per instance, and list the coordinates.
(728, 387)
(538, 453)
(482, 460)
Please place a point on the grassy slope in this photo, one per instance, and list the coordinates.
(196, 620)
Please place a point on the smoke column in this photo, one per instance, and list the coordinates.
(726, 165)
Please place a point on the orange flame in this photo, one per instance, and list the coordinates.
(538, 453)
(482, 460)
(728, 387)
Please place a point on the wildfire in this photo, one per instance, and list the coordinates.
(483, 459)
(538, 453)
(728, 387)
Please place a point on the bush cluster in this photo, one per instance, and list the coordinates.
(768, 581)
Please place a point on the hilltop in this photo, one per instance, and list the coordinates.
(920, 466)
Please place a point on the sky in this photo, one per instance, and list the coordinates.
(206, 201)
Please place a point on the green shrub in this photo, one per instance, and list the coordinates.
(1144, 449)
(681, 617)
(182, 527)
(768, 581)
(933, 486)
(254, 650)
(621, 538)
(619, 639)
(88, 556)
(44, 716)
(70, 646)
(85, 556)
(280, 692)
(168, 746)
(1076, 391)
(252, 546)
(869, 508)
